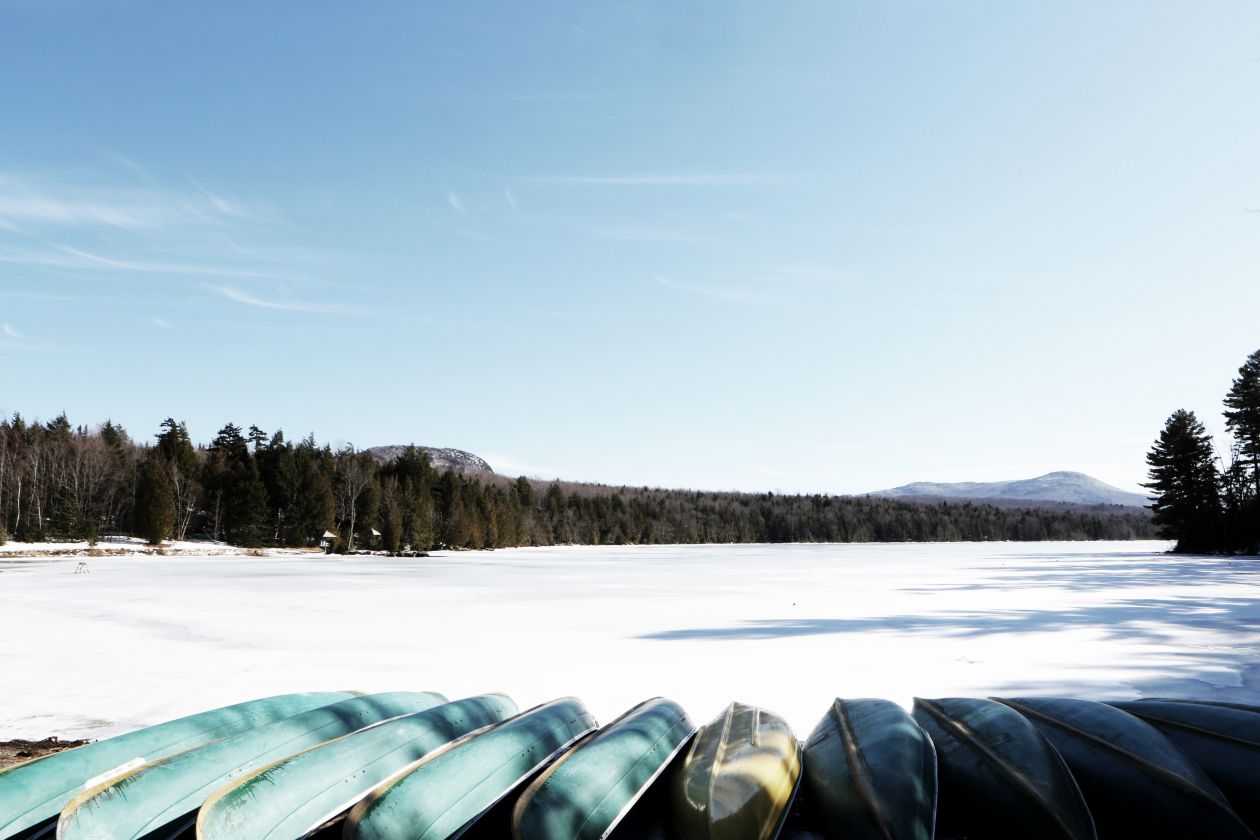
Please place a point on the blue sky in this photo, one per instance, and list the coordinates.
(823, 247)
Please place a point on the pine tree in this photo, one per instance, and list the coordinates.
(1242, 415)
(179, 460)
(1185, 484)
(154, 517)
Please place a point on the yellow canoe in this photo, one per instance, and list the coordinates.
(738, 778)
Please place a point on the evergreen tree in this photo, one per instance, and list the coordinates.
(245, 513)
(1242, 415)
(179, 460)
(154, 517)
(1184, 482)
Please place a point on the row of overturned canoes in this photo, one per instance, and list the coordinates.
(412, 765)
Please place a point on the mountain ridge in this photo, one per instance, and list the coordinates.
(1059, 486)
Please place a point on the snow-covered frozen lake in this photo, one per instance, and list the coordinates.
(143, 639)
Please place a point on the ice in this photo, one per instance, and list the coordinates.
(143, 639)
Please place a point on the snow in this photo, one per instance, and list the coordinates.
(123, 546)
(142, 639)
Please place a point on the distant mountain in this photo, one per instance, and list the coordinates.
(1074, 487)
(442, 459)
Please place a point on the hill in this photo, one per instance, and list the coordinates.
(1072, 487)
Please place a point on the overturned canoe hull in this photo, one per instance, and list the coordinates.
(161, 798)
(1136, 782)
(587, 791)
(1222, 739)
(738, 777)
(35, 792)
(296, 796)
(870, 773)
(443, 794)
(999, 777)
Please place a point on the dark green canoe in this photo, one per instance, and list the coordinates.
(35, 792)
(870, 773)
(302, 793)
(160, 799)
(442, 795)
(999, 777)
(737, 778)
(1223, 740)
(1137, 783)
(587, 791)
(1242, 707)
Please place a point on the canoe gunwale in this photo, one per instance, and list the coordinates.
(791, 800)
(656, 774)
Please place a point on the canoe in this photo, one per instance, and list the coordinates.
(443, 794)
(999, 776)
(1223, 740)
(34, 793)
(737, 778)
(1242, 707)
(587, 791)
(870, 773)
(301, 794)
(1136, 782)
(160, 799)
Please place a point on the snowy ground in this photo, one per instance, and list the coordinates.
(130, 546)
(142, 639)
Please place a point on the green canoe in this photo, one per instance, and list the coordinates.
(441, 795)
(160, 798)
(738, 778)
(300, 794)
(1000, 778)
(587, 791)
(870, 772)
(1223, 740)
(1136, 782)
(35, 792)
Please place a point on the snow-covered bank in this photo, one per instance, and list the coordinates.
(142, 639)
(130, 547)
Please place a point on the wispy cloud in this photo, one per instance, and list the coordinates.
(665, 179)
(704, 289)
(240, 296)
(457, 204)
(507, 196)
(27, 204)
(161, 322)
(69, 257)
(8, 330)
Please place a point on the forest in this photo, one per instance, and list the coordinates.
(1208, 501)
(59, 481)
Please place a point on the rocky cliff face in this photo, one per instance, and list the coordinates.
(441, 458)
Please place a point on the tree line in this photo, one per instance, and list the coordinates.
(1205, 501)
(250, 488)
